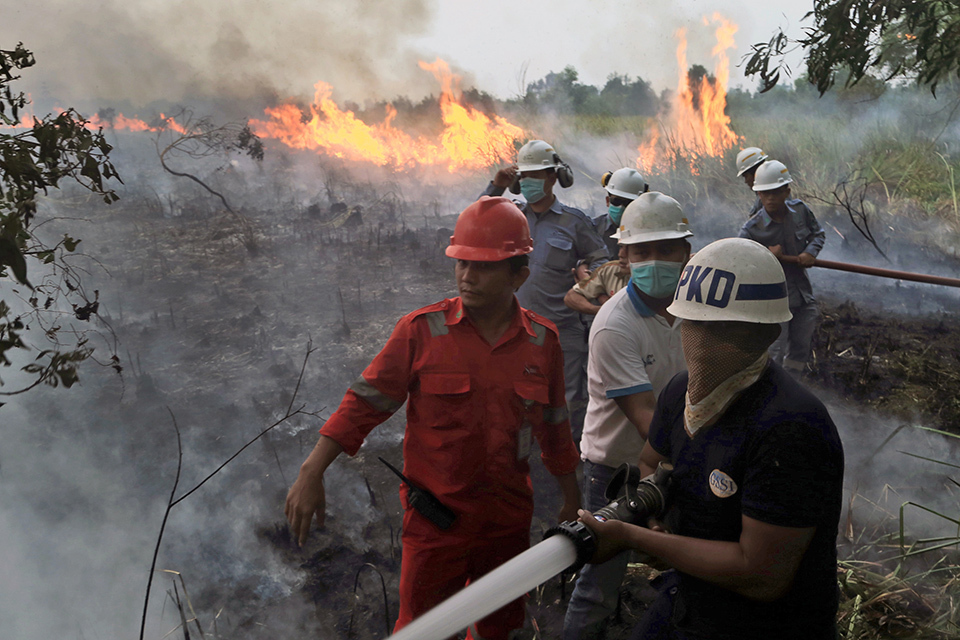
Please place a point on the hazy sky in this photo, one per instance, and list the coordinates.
(597, 37)
(145, 50)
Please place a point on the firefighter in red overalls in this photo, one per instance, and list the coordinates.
(481, 377)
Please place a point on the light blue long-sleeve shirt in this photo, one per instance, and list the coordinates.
(562, 236)
(807, 237)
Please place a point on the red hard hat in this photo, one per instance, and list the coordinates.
(489, 230)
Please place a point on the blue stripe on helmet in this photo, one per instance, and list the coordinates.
(773, 291)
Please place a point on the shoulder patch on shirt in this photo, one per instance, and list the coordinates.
(541, 334)
(437, 321)
(721, 484)
(436, 317)
(540, 327)
(754, 219)
(577, 214)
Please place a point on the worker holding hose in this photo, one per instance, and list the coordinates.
(634, 351)
(754, 502)
(787, 227)
(481, 377)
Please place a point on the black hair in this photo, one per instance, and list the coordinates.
(516, 263)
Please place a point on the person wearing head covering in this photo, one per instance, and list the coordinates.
(754, 500)
(634, 351)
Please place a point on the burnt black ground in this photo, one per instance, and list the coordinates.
(217, 334)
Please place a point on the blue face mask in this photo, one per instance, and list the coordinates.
(532, 189)
(656, 278)
(616, 213)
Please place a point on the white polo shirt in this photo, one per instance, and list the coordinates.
(632, 349)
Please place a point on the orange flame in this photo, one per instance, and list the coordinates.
(470, 139)
(117, 123)
(123, 123)
(696, 121)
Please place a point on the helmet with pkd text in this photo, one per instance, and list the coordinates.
(732, 279)
(749, 158)
(652, 216)
(624, 183)
(489, 230)
(537, 155)
(771, 175)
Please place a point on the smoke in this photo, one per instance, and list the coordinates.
(147, 51)
(218, 335)
(890, 463)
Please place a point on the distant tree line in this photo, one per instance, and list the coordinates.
(563, 93)
(559, 93)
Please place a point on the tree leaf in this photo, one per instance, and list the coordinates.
(11, 256)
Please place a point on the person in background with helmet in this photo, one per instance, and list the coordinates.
(634, 351)
(622, 187)
(788, 228)
(562, 236)
(754, 502)
(747, 162)
(481, 376)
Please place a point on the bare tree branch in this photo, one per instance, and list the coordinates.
(166, 514)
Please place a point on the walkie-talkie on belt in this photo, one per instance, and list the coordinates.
(424, 502)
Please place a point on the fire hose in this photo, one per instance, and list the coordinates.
(875, 271)
(566, 547)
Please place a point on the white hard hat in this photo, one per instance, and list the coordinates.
(771, 175)
(651, 217)
(732, 279)
(624, 183)
(536, 155)
(749, 158)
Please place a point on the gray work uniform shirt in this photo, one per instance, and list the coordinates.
(606, 228)
(798, 233)
(561, 236)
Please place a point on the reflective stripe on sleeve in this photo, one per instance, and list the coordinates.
(555, 415)
(373, 397)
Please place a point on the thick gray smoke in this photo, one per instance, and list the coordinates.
(217, 335)
(147, 51)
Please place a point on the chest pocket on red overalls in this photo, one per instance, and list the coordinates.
(451, 443)
(444, 383)
(444, 400)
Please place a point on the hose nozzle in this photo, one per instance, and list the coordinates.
(632, 499)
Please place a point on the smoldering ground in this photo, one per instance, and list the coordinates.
(212, 334)
(213, 337)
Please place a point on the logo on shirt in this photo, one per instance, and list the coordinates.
(649, 359)
(721, 484)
